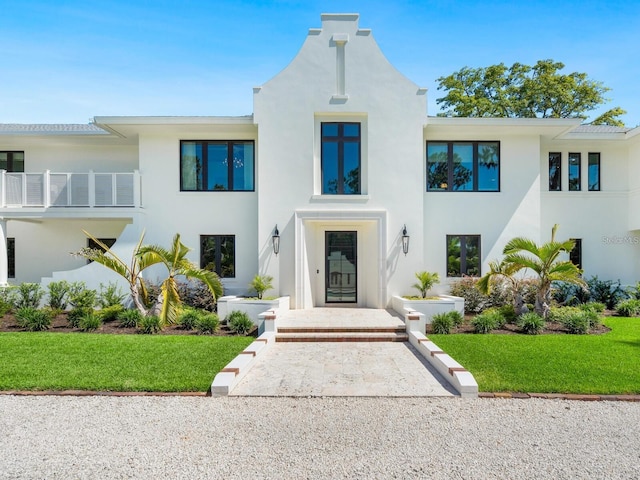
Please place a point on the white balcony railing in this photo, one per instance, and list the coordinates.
(53, 189)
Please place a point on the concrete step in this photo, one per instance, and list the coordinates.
(336, 329)
(342, 337)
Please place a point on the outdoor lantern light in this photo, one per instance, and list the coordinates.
(405, 240)
(276, 240)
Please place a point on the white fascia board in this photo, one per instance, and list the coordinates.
(548, 127)
(124, 120)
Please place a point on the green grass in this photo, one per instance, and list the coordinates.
(71, 361)
(597, 364)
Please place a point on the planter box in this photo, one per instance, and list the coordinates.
(253, 308)
(429, 308)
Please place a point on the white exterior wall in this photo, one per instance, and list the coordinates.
(288, 111)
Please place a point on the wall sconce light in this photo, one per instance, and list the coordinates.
(405, 240)
(276, 240)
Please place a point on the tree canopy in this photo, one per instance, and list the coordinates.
(523, 91)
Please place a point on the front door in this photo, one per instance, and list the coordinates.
(341, 267)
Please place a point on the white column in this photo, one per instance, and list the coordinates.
(4, 264)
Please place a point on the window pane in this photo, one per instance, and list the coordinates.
(191, 161)
(329, 129)
(227, 257)
(11, 257)
(594, 171)
(18, 162)
(217, 166)
(351, 165)
(330, 167)
(488, 167)
(462, 166)
(217, 253)
(575, 256)
(243, 166)
(351, 129)
(453, 256)
(4, 157)
(472, 255)
(437, 168)
(555, 169)
(574, 172)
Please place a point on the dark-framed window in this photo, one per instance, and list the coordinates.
(11, 257)
(340, 158)
(463, 166)
(463, 255)
(218, 254)
(217, 165)
(12, 161)
(574, 172)
(91, 243)
(555, 171)
(575, 255)
(594, 171)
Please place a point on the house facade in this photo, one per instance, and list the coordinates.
(339, 165)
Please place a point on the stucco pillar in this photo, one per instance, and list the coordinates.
(4, 264)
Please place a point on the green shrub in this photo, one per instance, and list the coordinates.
(488, 320)
(261, 283)
(189, 318)
(129, 318)
(456, 317)
(58, 292)
(196, 294)
(208, 323)
(508, 312)
(5, 307)
(577, 320)
(442, 323)
(89, 321)
(634, 292)
(33, 319)
(628, 308)
(577, 324)
(28, 295)
(562, 314)
(75, 315)
(596, 307)
(80, 296)
(150, 324)
(111, 313)
(110, 295)
(531, 323)
(606, 291)
(474, 299)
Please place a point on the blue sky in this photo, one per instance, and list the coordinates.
(67, 61)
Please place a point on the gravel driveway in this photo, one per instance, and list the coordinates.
(200, 437)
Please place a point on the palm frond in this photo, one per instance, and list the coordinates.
(171, 301)
(519, 244)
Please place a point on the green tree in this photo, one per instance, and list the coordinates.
(168, 302)
(523, 91)
(426, 280)
(522, 253)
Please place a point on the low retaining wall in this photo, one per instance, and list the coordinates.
(253, 308)
(428, 308)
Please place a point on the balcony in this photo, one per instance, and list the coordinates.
(54, 190)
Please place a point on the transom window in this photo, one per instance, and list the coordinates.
(12, 161)
(340, 158)
(463, 255)
(216, 165)
(218, 254)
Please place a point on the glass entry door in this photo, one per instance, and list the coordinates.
(341, 267)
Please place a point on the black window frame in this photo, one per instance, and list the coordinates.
(205, 167)
(555, 157)
(578, 184)
(11, 257)
(575, 255)
(450, 165)
(341, 139)
(463, 254)
(594, 155)
(217, 261)
(10, 161)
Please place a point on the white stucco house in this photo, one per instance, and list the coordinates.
(339, 158)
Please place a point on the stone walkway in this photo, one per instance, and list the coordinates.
(378, 369)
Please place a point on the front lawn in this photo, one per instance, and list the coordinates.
(104, 362)
(557, 363)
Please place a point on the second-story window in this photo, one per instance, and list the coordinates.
(463, 166)
(555, 172)
(216, 165)
(340, 158)
(12, 161)
(574, 172)
(594, 172)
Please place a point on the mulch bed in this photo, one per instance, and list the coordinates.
(60, 324)
(551, 328)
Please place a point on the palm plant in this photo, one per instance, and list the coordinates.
(261, 283)
(522, 253)
(168, 302)
(426, 280)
